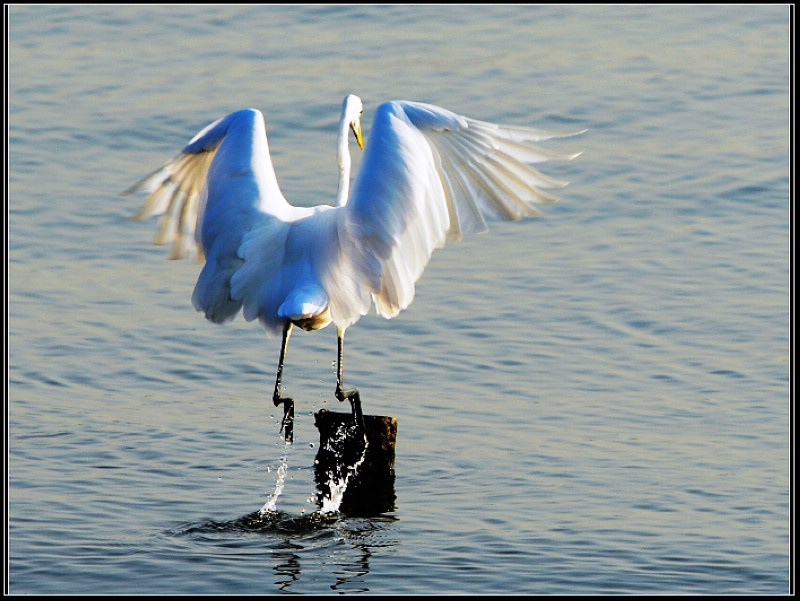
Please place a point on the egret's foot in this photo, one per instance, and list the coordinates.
(355, 405)
(287, 423)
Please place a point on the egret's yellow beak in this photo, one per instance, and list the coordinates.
(356, 127)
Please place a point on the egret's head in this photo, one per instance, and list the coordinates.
(351, 114)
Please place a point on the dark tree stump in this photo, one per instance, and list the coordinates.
(370, 483)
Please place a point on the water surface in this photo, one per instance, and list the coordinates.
(595, 401)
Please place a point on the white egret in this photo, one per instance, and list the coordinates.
(427, 176)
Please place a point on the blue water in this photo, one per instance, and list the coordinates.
(595, 401)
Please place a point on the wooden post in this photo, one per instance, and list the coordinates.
(370, 483)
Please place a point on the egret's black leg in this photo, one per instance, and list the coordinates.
(350, 395)
(287, 423)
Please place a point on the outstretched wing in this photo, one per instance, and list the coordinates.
(217, 190)
(177, 190)
(428, 176)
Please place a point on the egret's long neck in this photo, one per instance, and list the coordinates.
(343, 157)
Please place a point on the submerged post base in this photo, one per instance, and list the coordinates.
(343, 460)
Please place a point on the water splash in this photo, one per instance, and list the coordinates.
(341, 456)
(338, 486)
(345, 451)
(272, 502)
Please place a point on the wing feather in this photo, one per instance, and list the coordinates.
(429, 175)
(210, 197)
(173, 192)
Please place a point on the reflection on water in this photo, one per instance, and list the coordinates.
(596, 401)
(290, 538)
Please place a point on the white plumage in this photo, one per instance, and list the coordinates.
(427, 176)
